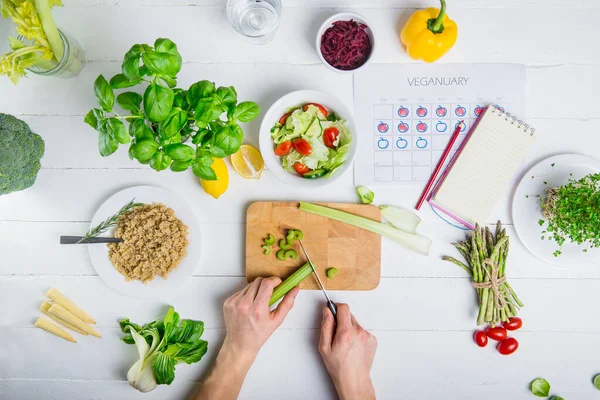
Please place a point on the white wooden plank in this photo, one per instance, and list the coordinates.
(227, 248)
(561, 91)
(408, 365)
(407, 303)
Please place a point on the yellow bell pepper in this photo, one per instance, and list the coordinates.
(429, 34)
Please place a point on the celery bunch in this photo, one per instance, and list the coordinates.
(33, 20)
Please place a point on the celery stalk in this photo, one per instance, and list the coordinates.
(291, 282)
(44, 12)
(400, 218)
(418, 243)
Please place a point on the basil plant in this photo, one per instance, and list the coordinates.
(168, 127)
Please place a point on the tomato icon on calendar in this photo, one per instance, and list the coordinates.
(401, 143)
(441, 126)
(421, 143)
(499, 107)
(403, 127)
(460, 111)
(403, 112)
(421, 126)
(421, 111)
(383, 143)
(478, 110)
(383, 127)
(441, 111)
(463, 128)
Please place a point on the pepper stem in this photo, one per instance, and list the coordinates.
(436, 26)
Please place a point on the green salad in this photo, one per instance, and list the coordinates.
(311, 141)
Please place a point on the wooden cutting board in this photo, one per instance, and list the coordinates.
(355, 252)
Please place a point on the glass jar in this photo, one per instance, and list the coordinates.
(70, 64)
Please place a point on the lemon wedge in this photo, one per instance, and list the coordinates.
(217, 187)
(248, 162)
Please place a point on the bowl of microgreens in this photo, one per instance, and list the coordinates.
(556, 210)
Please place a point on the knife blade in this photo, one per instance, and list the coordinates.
(80, 240)
(330, 304)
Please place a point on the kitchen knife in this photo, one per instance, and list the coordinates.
(330, 304)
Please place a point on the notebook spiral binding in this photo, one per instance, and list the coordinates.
(513, 120)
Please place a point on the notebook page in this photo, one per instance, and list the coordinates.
(485, 167)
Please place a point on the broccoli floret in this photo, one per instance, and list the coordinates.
(20, 154)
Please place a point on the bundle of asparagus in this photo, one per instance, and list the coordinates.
(486, 263)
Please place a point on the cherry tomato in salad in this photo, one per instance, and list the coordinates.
(320, 107)
(284, 118)
(513, 323)
(497, 333)
(301, 168)
(507, 346)
(330, 135)
(283, 148)
(302, 147)
(480, 338)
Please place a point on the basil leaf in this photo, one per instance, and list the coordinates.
(175, 139)
(556, 398)
(179, 152)
(161, 63)
(596, 381)
(119, 81)
(179, 166)
(174, 123)
(104, 93)
(107, 144)
(246, 111)
(144, 150)
(540, 387)
(179, 100)
(117, 129)
(227, 95)
(218, 152)
(90, 119)
(171, 82)
(130, 152)
(129, 101)
(202, 169)
(131, 62)
(199, 90)
(140, 131)
(158, 101)
(202, 137)
(207, 110)
(160, 161)
(229, 139)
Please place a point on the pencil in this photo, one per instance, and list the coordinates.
(439, 165)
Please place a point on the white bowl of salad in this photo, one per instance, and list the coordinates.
(306, 138)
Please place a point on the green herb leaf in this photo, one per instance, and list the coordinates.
(107, 143)
(199, 90)
(556, 398)
(144, 150)
(160, 161)
(131, 63)
(140, 131)
(117, 129)
(104, 93)
(119, 81)
(158, 102)
(130, 101)
(202, 169)
(179, 166)
(540, 387)
(596, 381)
(176, 120)
(227, 95)
(207, 110)
(103, 227)
(179, 152)
(229, 139)
(180, 100)
(162, 63)
(202, 137)
(246, 111)
(90, 119)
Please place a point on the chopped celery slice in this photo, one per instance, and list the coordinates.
(284, 244)
(281, 255)
(291, 282)
(291, 254)
(365, 194)
(331, 272)
(400, 218)
(267, 250)
(270, 240)
(418, 243)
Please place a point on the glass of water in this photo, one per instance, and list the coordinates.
(257, 20)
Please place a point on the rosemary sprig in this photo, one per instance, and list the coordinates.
(109, 222)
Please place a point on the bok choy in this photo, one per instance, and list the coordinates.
(161, 345)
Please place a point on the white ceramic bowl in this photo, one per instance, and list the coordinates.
(346, 16)
(282, 106)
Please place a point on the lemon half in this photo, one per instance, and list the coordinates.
(248, 162)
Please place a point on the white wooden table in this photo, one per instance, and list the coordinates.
(423, 311)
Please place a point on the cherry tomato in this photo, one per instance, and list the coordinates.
(480, 338)
(513, 323)
(283, 148)
(497, 333)
(508, 346)
(330, 135)
(284, 118)
(302, 147)
(301, 168)
(320, 107)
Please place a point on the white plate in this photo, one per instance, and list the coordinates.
(279, 108)
(526, 208)
(158, 287)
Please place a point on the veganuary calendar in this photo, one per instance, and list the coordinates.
(406, 114)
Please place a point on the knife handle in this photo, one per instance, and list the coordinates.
(333, 308)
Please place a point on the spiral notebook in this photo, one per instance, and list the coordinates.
(482, 168)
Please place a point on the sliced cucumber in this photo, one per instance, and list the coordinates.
(317, 173)
(315, 129)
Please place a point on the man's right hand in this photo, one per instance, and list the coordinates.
(348, 352)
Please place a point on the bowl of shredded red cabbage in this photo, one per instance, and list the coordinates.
(345, 42)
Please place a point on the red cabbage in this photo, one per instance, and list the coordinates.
(345, 45)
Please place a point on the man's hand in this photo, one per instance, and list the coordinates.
(248, 320)
(348, 352)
